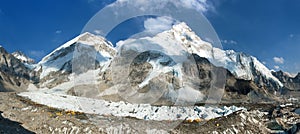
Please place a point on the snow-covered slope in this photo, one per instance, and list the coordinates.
(59, 62)
(23, 58)
(64, 54)
(241, 65)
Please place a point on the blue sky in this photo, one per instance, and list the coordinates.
(268, 30)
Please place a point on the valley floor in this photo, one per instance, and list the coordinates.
(21, 115)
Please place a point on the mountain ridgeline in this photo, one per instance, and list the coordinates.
(14, 74)
(247, 79)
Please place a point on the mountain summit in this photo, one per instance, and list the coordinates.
(56, 67)
(23, 58)
(246, 75)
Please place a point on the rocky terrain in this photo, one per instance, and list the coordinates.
(14, 75)
(20, 115)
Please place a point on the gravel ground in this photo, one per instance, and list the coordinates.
(19, 115)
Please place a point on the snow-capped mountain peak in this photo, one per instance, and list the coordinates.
(22, 57)
(61, 58)
(184, 34)
(85, 38)
(241, 65)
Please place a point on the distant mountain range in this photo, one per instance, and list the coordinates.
(247, 79)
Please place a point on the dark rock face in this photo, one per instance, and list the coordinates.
(289, 82)
(14, 75)
(236, 90)
(262, 82)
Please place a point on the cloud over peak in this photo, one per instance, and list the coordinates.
(159, 24)
(278, 60)
(199, 5)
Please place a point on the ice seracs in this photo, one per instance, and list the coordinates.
(124, 109)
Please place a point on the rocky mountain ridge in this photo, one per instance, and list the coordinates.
(14, 75)
(23, 58)
(290, 82)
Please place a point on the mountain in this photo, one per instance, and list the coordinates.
(246, 79)
(23, 58)
(56, 67)
(289, 82)
(241, 65)
(118, 72)
(14, 75)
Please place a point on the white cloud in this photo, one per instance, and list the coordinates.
(97, 32)
(229, 42)
(58, 32)
(278, 60)
(146, 5)
(200, 5)
(159, 24)
(277, 67)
